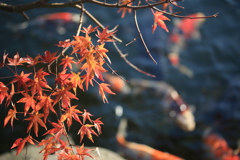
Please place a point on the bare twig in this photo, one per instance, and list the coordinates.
(80, 20)
(139, 32)
(129, 63)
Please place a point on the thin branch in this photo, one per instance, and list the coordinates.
(129, 63)
(80, 20)
(141, 37)
(96, 21)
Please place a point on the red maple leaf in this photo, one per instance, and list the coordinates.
(35, 120)
(20, 143)
(47, 104)
(3, 92)
(15, 61)
(104, 35)
(70, 113)
(29, 102)
(125, 9)
(88, 131)
(11, 116)
(64, 95)
(97, 124)
(64, 44)
(89, 29)
(48, 57)
(86, 115)
(159, 20)
(58, 130)
(67, 62)
(21, 80)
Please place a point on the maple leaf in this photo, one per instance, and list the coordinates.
(21, 80)
(104, 87)
(63, 78)
(81, 42)
(58, 130)
(86, 129)
(37, 84)
(41, 74)
(48, 57)
(20, 143)
(29, 102)
(47, 104)
(69, 114)
(11, 116)
(104, 35)
(3, 92)
(86, 115)
(76, 81)
(125, 9)
(89, 29)
(35, 119)
(64, 44)
(67, 62)
(9, 97)
(65, 96)
(15, 61)
(102, 51)
(31, 61)
(4, 59)
(81, 152)
(159, 20)
(97, 124)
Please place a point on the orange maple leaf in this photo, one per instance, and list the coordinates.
(11, 116)
(86, 115)
(35, 119)
(76, 81)
(104, 87)
(3, 92)
(125, 9)
(15, 61)
(20, 143)
(159, 20)
(89, 29)
(58, 130)
(81, 152)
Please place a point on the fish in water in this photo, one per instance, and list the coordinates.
(172, 101)
(218, 146)
(181, 112)
(57, 20)
(135, 151)
(184, 30)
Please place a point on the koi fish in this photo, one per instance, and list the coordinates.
(172, 101)
(184, 30)
(58, 20)
(219, 147)
(135, 151)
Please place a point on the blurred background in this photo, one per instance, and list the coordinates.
(206, 74)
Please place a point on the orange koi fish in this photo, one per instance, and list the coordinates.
(219, 147)
(135, 151)
(185, 29)
(58, 20)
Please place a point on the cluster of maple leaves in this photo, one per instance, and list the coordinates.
(40, 98)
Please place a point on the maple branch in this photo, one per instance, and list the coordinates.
(129, 63)
(42, 4)
(80, 20)
(141, 37)
(96, 21)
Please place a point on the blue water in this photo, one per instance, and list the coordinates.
(213, 90)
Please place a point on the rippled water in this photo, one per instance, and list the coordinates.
(213, 90)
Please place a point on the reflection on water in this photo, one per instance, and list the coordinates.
(213, 88)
